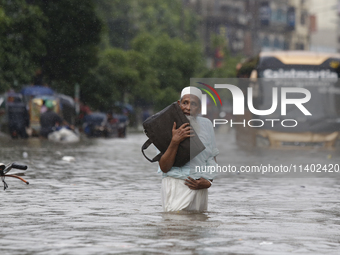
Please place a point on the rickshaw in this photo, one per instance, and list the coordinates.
(36, 96)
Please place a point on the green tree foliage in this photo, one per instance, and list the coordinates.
(157, 62)
(21, 42)
(228, 68)
(174, 61)
(166, 35)
(58, 37)
(146, 53)
(153, 72)
(125, 19)
(120, 76)
(119, 28)
(166, 17)
(72, 36)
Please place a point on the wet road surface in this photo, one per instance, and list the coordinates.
(107, 201)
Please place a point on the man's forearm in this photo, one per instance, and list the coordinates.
(178, 135)
(168, 158)
(201, 183)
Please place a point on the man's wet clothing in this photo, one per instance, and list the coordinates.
(176, 195)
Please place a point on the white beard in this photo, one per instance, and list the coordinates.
(194, 123)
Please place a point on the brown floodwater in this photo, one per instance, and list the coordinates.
(107, 201)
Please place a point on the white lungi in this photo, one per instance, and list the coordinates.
(177, 196)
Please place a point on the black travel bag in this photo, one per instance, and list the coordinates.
(158, 128)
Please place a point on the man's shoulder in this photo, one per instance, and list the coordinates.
(49, 113)
(43, 114)
(204, 120)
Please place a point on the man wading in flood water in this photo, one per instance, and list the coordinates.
(184, 188)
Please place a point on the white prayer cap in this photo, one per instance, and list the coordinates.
(192, 91)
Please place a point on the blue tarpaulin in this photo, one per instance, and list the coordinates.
(36, 91)
(96, 118)
(126, 106)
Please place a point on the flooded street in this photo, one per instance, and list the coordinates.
(107, 201)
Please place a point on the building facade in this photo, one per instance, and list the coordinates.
(251, 26)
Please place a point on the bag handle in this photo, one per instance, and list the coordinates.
(145, 146)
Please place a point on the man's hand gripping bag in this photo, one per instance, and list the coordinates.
(158, 128)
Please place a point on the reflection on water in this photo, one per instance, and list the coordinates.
(108, 201)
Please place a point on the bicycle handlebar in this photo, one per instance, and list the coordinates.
(21, 167)
(5, 169)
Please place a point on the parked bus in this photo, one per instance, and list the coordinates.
(316, 72)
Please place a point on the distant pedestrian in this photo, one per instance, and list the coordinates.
(49, 120)
(18, 118)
